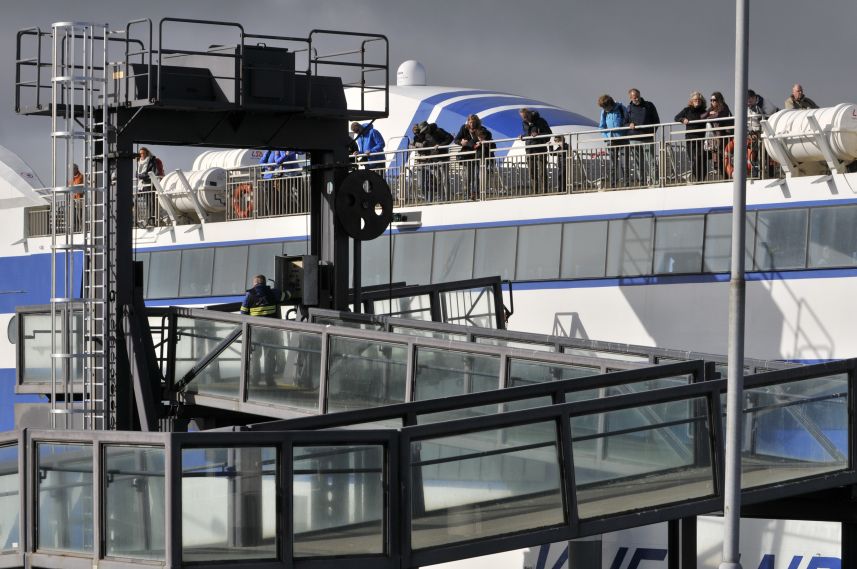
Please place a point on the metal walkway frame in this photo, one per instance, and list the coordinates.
(60, 467)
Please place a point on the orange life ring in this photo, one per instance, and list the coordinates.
(242, 200)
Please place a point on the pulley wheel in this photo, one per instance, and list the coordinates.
(364, 205)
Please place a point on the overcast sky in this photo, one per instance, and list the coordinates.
(565, 52)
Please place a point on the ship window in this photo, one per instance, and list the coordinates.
(678, 244)
(833, 237)
(144, 258)
(196, 272)
(538, 251)
(453, 255)
(230, 267)
(495, 252)
(296, 247)
(629, 246)
(375, 268)
(584, 249)
(412, 258)
(718, 242)
(261, 261)
(164, 270)
(781, 239)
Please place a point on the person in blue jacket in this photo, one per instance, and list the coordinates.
(264, 301)
(370, 144)
(615, 116)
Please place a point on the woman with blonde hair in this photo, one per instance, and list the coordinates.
(694, 135)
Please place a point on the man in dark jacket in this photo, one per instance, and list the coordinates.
(534, 129)
(642, 113)
(432, 142)
(264, 301)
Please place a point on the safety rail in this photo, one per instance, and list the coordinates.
(423, 494)
(586, 162)
(153, 63)
(533, 341)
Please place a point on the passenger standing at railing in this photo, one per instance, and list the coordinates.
(370, 145)
(614, 116)
(758, 109)
(432, 142)
(535, 130)
(269, 189)
(640, 114)
(691, 118)
(77, 180)
(558, 148)
(147, 165)
(467, 139)
(797, 100)
(719, 116)
(484, 152)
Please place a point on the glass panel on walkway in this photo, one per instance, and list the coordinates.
(197, 337)
(486, 483)
(285, 367)
(795, 430)
(444, 373)
(65, 497)
(527, 372)
(338, 500)
(10, 505)
(229, 504)
(365, 373)
(134, 502)
(646, 456)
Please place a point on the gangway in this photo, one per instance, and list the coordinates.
(422, 494)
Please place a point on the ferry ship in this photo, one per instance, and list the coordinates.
(625, 247)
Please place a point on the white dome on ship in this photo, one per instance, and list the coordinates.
(411, 72)
(412, 101)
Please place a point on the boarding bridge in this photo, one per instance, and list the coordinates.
(494, 471)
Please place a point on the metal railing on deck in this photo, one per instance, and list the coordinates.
(673, 155)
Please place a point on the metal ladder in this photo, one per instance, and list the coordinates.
(80, 218)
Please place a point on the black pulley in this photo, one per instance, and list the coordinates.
(364, 205)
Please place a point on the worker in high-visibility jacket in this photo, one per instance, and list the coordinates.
(262, 300)
(266, 344)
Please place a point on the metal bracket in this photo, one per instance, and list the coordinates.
(165, 200)
(824, 145)
(197, 207)
(778, 149)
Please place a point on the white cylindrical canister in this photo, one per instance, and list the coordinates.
(209, 185)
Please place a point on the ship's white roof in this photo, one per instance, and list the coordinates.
(18, 182)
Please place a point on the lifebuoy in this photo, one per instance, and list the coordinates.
(242, 200)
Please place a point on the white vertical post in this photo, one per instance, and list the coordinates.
(737, 285)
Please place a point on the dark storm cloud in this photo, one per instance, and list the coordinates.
(563, 52)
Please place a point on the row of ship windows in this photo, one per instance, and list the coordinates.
(780, 239)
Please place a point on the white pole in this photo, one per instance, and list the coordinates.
(737, 285)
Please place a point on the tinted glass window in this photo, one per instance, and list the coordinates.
(781, 239)
(412, 258)
(495, 252)
(453, 255)
(376, 261)
(164, 270)
(144, 258)
(296, 247)
(678, 244)
(629, 247)
(718, 242)
(584, 249)
(261, 261)
(538, 251)
(230, 269)
(833, 237)
(196, 272)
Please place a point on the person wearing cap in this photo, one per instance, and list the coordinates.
(797, 100)
(758, 109)
(534, 131)
(432, 143)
